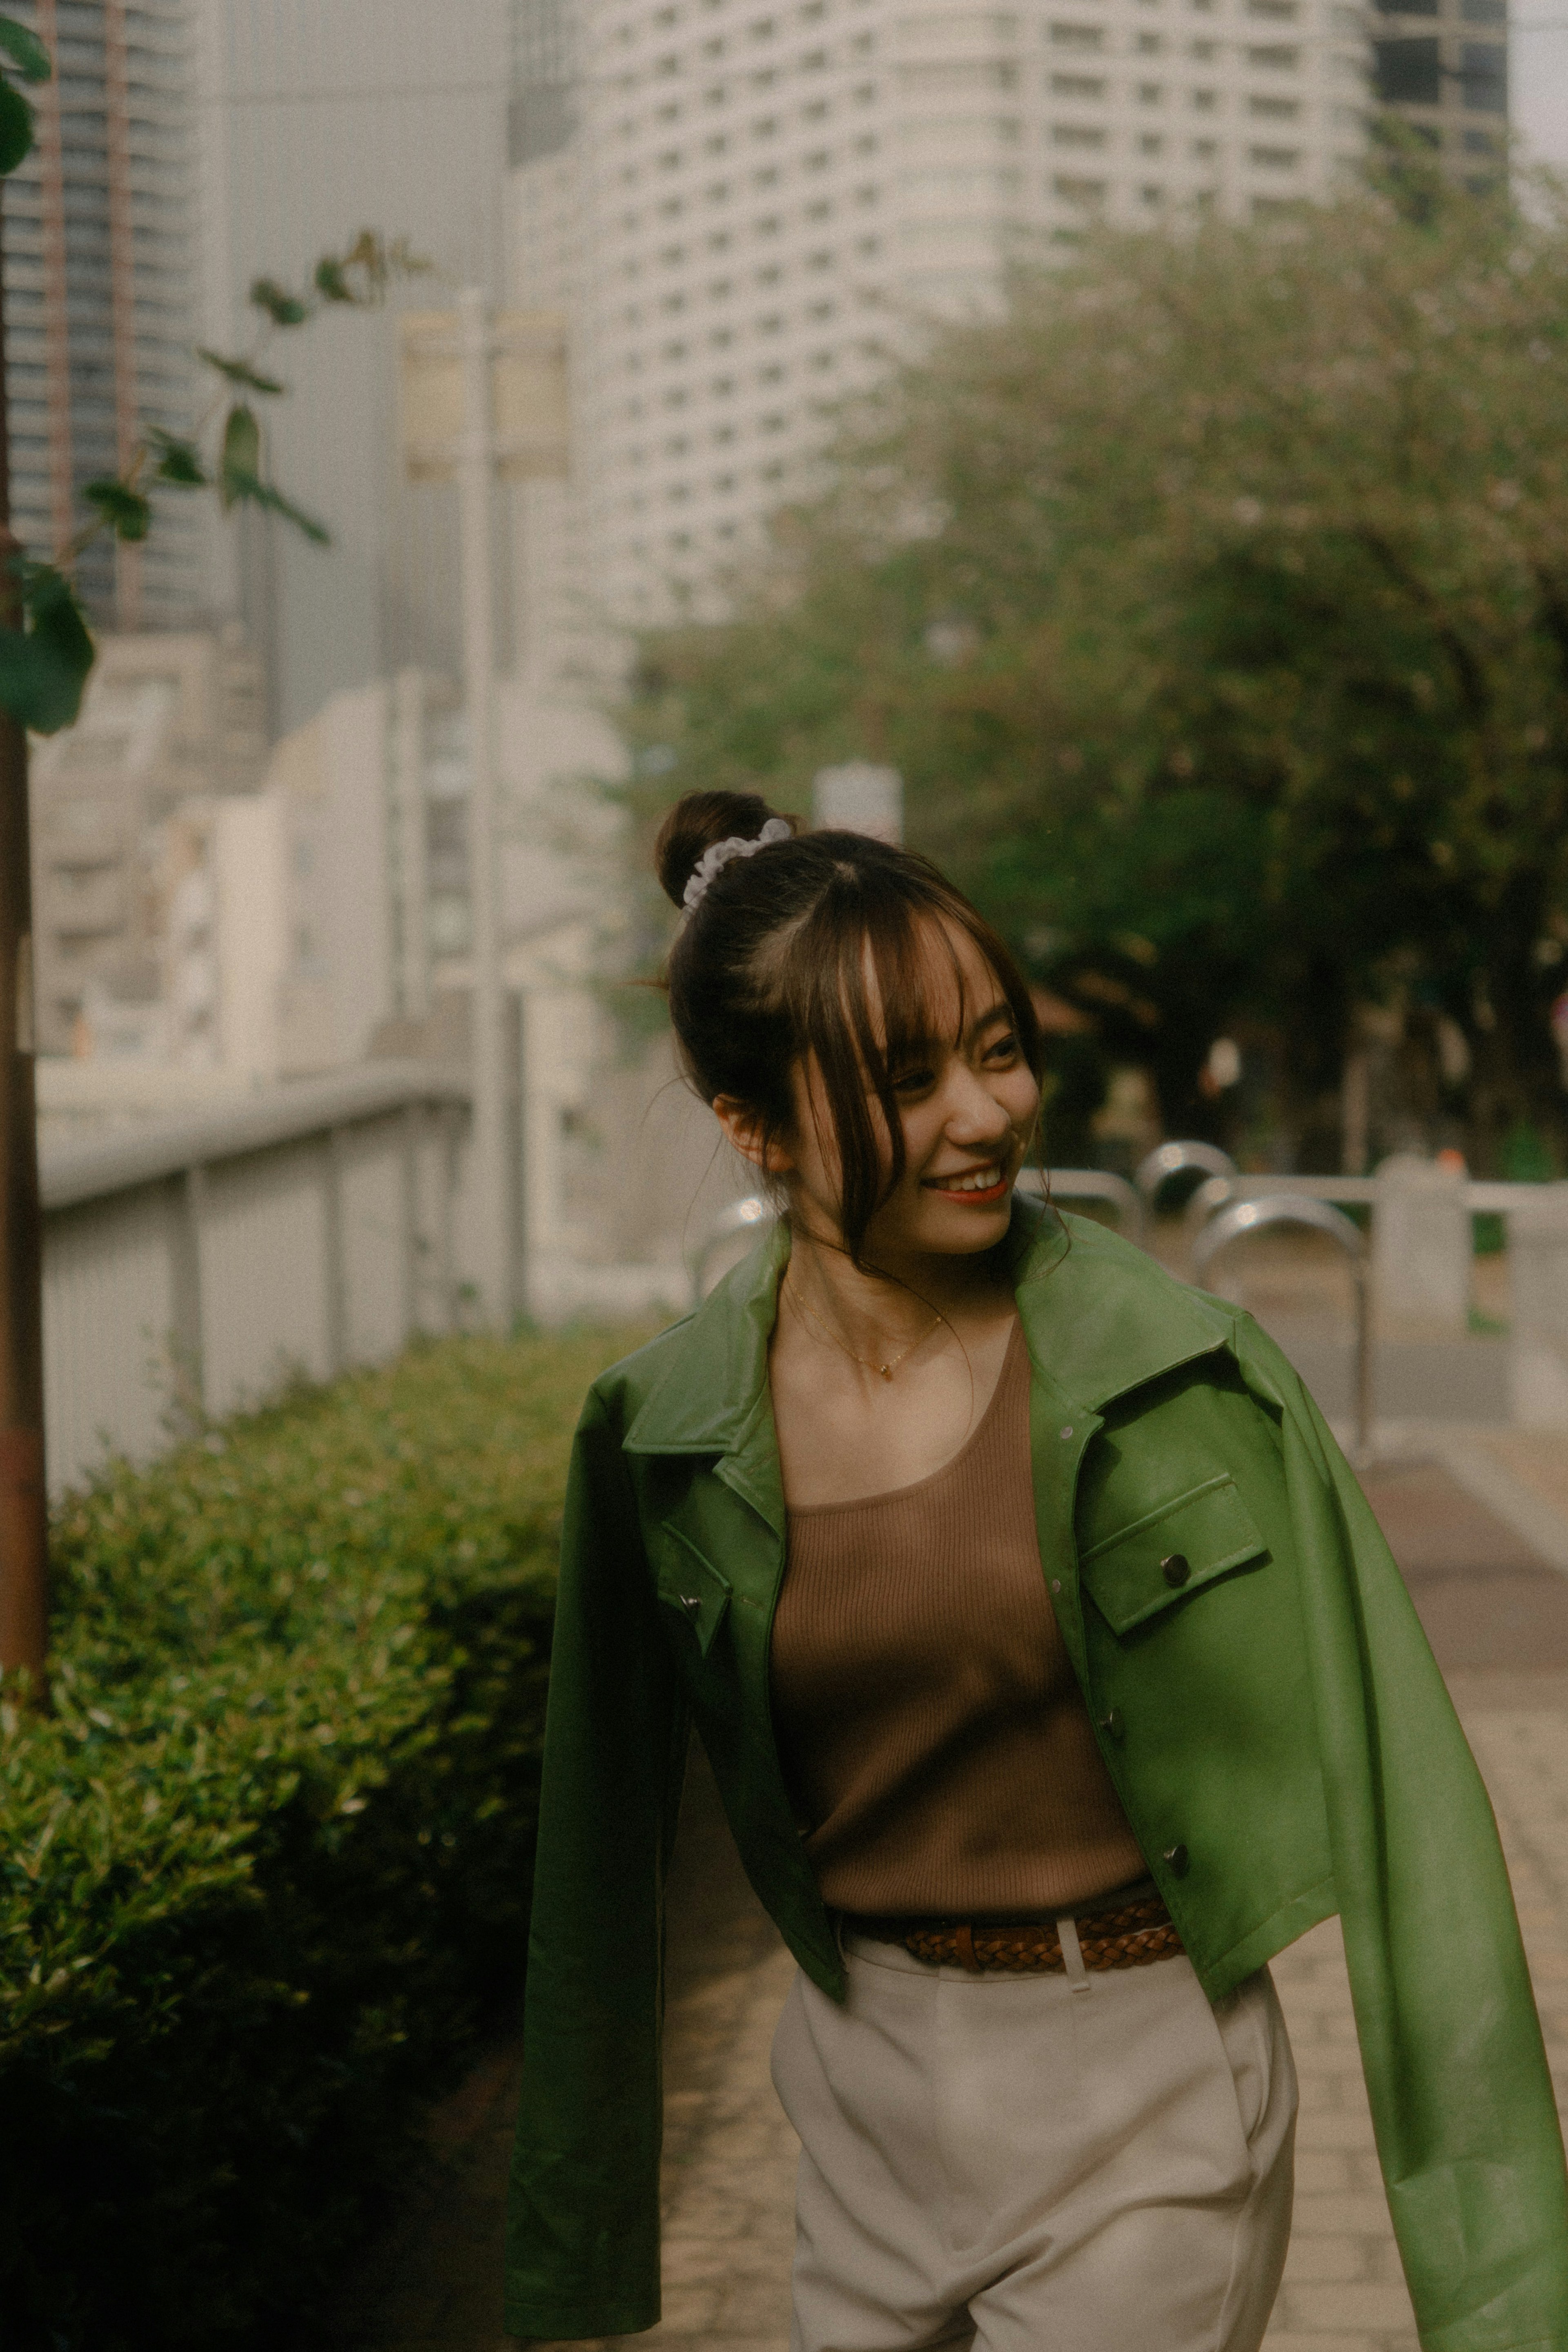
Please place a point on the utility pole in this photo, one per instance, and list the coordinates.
(486, 397)
(496, 1177)
(24, 1579)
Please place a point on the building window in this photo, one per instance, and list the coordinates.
(1278, 110)
(1075, 134)
(1076, 85)
(1150, 93)
(1274, 159)
(1408, 72)
(1151, 195)
(1204, 101)
(1076, 37)
(1274, 60)
(1483, 76)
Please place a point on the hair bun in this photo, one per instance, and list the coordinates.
(695, 824)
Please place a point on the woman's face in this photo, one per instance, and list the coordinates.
(968, 1106)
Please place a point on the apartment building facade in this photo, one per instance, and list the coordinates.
(102, 271)
(747, 205)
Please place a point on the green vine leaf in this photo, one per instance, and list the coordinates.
(284, 308)
(178, 462)
(247, 487)
(15, 128)
(332, 283)
(26, 51)
(242, 455)
(240, 372)
(44, 665)
(126, 510)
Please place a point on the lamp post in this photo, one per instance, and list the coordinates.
(484, 396)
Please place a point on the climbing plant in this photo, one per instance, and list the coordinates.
(45, 646)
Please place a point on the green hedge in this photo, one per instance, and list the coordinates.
(265, 1867)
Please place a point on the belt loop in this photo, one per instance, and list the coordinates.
(1072, 1955)
(963, 1937)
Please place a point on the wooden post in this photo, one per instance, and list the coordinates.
(24, 1571)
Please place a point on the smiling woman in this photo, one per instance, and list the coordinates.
(1055, 1676)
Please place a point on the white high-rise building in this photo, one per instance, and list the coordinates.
(746, 205)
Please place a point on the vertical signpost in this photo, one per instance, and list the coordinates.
(484, 396)
(859, 798)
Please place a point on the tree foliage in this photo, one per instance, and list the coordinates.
(1214, 602)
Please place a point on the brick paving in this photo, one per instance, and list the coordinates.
(1498, 1621)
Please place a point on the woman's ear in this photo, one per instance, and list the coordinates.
(746, 1130)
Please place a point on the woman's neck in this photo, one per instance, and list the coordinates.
(895, 1300)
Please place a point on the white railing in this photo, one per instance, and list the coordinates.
(192, 1266)
(1417, 1270)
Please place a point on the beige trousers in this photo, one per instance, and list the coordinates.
(1024, 2164)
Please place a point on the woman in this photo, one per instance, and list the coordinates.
(1055, 1676)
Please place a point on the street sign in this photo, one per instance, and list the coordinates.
(529, 436)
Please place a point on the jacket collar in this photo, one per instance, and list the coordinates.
(1100, 1317)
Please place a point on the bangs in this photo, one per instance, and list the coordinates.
(875, 985)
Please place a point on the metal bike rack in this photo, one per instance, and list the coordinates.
(1294, 1209)
(1088, 1184)
(1210, 1196)
(741, 1216)
(1065, 1184)
(1167, 1159)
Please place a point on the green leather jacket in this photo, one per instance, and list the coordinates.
(1278, 1730)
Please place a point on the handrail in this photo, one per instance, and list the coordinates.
(71, 1173)
(1244, 1217)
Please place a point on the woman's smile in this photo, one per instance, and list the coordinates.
(974, 1187)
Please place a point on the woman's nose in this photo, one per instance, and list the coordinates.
(976, 1115)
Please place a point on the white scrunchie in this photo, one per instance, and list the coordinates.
(714, 860)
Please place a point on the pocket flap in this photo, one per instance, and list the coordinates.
(1170, 1553)
(692, 1586)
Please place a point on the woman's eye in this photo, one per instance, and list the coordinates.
(1003, 1048)
(913, 1082)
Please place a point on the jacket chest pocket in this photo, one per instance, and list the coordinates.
(1158, 1561)
(690, 1586)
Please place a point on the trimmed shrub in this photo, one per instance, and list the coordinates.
(265, 1867)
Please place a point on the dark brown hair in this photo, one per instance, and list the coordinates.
(771, 968)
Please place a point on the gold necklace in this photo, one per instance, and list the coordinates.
(893, 1363)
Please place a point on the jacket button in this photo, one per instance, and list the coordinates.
(692, 1603)
(1067, 1432)
(1114, 1724)
(1177, 1568)
(1177, 1857)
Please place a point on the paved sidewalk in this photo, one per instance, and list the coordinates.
(1498, 1618)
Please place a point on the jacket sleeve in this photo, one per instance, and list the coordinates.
(582, 2241)
(1462, 2104)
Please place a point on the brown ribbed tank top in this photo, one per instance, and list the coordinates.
(936, 1744)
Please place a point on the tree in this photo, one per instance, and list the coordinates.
(1214, 602)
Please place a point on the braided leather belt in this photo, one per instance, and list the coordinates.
(1129, 1936)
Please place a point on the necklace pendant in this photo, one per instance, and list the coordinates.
(886, 1371)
